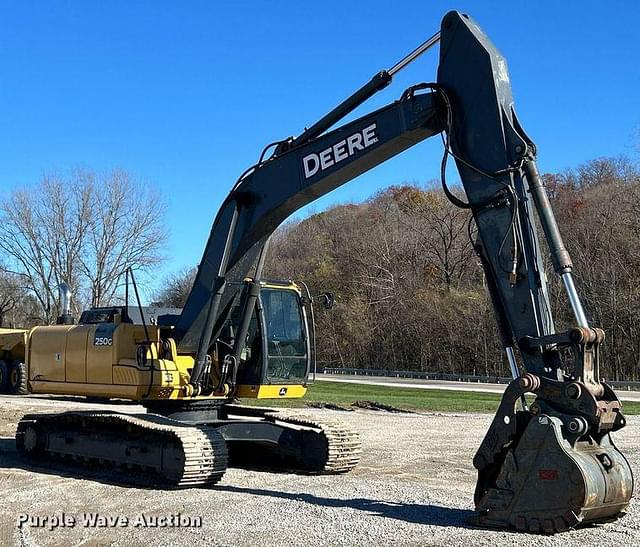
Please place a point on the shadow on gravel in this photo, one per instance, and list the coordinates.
(408, 512)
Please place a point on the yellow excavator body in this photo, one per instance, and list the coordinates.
(98, 360)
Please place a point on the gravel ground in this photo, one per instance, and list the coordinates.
(414, 486)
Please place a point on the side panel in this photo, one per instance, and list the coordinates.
(76, 354)
(47, 348)
(100, 360)
(100, 355)
(88, 390)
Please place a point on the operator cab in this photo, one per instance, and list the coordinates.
(278, 343)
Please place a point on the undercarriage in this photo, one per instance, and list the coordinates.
(178, 453)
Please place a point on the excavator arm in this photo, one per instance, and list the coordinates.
(544, 468)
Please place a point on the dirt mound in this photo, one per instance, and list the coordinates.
(374, 405)
(329, 406)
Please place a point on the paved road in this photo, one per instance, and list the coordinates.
(439, 384)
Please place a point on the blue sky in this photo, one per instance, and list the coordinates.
(185, 94)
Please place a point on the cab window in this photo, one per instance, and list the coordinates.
(286, 335)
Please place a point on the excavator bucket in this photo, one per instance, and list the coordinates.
(543, 471)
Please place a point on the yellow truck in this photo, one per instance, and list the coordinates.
(13, 370)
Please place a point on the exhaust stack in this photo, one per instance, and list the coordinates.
(65, 317)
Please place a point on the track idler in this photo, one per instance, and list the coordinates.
(553, 467)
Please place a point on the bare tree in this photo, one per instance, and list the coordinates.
(85, 230)
(388, 260)
(175, 289)
(11, 295)
(124, 230)
(41, 232)
(440, 229)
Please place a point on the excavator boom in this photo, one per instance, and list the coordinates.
(275, 189)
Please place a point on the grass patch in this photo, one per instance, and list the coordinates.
(434, 400)
(630, 407)
(409, 398)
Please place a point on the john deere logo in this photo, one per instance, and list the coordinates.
(283, 391)
(353, 144)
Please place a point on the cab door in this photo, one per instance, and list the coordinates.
(285, 335)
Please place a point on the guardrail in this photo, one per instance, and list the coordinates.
(447, 377)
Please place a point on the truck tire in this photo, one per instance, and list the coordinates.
(4, 377)
(18, 378)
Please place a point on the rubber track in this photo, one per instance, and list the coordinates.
(205, 451)
(343, 443)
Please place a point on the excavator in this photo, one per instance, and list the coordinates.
(547, 463)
